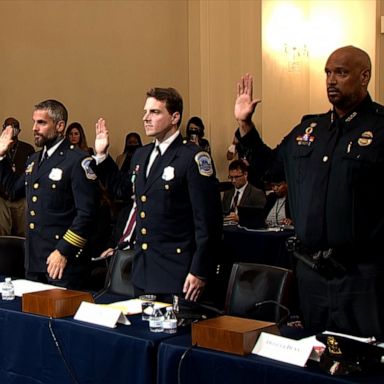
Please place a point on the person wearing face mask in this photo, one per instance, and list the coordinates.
(195, 133)
(12, 211)
(132, 142)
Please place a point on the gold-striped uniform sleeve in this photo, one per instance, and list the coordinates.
(74, 239)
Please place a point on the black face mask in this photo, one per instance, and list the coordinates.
(132, 148)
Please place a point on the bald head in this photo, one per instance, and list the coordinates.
(348, 71)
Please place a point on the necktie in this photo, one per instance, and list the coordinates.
(129, 226)
(155, 159)
(44, 157)
(235, 201)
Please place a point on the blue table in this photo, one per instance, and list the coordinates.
(178, 363)
(94, 354)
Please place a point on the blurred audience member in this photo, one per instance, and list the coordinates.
(242, 193)
(76, 136)
(132, 142)
(195, 133)
(277, 207)
(12, 212)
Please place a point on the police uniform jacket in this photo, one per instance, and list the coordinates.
(334, 168)
(62, 200)
(178, 218)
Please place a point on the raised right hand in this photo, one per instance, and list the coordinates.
(6, 140)
(245, 106)
(102, 137)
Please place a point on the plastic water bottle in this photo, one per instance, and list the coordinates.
(170, 321)
(8, 290)
(156, 320)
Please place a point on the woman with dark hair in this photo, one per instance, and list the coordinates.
(195, 133)
(75, 134)
(132, 142)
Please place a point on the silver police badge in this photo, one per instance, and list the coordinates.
(89, 174)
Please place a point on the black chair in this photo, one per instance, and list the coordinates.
(259, 291)
(12, 254)
(118, 279)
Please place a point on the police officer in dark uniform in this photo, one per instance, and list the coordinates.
(62, 199)
(178, 203)
(334, 163)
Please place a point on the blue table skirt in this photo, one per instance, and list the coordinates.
(95, 354)
(204, 366)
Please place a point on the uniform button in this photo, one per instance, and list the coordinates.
(143, 198)
(143, 231)
(36, 185)
(32, 213)
(166, 186)
(144, 246)
(53, 186)
(325, 159)
(34, 199)
(142, 214)
(57, 237)
(31, 225)
(178, 250)
(72, 147)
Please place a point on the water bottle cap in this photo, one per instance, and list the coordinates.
(8, 279)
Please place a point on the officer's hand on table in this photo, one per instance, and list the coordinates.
(6, 140)
(193, 287)
(102, 137)
(56, 263)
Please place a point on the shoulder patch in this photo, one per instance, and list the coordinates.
(204, 163)
(89, 174)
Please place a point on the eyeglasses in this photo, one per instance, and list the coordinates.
(235, 177)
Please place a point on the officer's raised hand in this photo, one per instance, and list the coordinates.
(102, 137)
(6, 139)
(245, 105)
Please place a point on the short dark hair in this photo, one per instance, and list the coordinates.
(172, 98)
(11, 121)
(238, 164)
(198, 122)
(56, 110)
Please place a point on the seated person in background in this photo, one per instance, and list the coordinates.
(243, 192)
(277, 208)
(195, 133)
(132, 142)
(76, 136)
(12, 211)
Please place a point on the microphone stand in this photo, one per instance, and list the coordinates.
(276, 303)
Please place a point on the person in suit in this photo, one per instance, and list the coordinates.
(12, 212)
(178, 221)
(242, 193)
(62, 199)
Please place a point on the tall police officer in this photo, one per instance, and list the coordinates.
(62, 199)
(178, 202)
(334, 163)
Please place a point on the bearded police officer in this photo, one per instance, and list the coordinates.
(334, 164)
(62, 199)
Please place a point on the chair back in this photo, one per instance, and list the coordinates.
(119, 279)
(265, 285)
(12, 255)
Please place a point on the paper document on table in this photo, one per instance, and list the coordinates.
(27, 286)
(133, 306)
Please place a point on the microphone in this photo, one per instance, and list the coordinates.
(276, 303)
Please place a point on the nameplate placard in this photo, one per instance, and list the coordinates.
(100, 315)
(282, 349)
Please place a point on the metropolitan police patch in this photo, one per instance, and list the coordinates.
(204, 163)
(88, 170)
